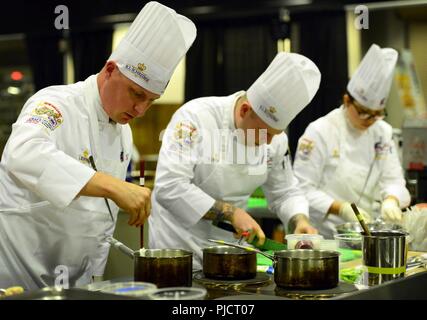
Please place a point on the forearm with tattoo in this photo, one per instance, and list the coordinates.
(220, 211)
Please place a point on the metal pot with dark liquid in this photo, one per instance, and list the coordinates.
(163, 267)
(228, 263)
(301, 268)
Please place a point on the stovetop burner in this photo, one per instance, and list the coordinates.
(301, 294)
(261, 279)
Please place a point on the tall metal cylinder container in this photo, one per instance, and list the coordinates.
(384, 255)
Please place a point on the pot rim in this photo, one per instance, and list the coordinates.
(290, 254)
(179, 253)
(240, 251)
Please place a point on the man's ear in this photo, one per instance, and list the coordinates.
(110, 66)
(346, 99)
(244, 109)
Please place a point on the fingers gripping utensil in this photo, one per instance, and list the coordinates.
(360, 219)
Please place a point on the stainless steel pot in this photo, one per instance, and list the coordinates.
(228, 263)
(384, 255)
(163, 267)
(350, 227)
(306, 269)
(300, 268)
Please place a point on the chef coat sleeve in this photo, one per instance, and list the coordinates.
(179, 154)
(281, 189)
(392, 182)
(34, 156)
(309, 163)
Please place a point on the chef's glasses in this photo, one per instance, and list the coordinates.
(364, 115)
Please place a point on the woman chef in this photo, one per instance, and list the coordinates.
(207, 170)
(53, 219)
(348, 156)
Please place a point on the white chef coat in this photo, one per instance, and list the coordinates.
(44, 166)
(189, 178)
(333, 161)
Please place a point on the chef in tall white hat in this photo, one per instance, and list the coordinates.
(62, 171)
(348, 156)
(217, 151)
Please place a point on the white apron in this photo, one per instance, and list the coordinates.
(224, 181)
(347, 184)
(41, 245)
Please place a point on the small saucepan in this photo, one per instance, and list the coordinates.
(228, 263)
(301, 268)
(163, 267)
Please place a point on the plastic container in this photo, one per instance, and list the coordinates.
(133, 289)
(178, 293)
(329, 244)
(303, 241)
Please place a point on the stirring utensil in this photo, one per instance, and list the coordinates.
(269, 256)
(360, 219)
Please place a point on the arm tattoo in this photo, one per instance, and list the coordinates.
(220, 211)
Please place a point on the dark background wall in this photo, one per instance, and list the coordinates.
(236, 42)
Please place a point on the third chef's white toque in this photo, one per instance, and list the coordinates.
(152, 48)
(371, 82)
(284, 89)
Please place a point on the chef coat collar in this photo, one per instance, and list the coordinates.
(100, 112)
(231, 122)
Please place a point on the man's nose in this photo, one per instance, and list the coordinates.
(141, 108)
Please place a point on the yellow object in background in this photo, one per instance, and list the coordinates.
(12, 291)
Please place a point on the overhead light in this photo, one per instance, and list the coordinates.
(14, 90)
(16, 75)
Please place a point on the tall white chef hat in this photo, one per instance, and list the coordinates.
(284, 89)
(152, 48)
(371, 82)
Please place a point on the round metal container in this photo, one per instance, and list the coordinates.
(384, 255)
(164, 267)
(228, 263)
(375, 226)
(306, 269)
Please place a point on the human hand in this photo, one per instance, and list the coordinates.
(135, 200)
(242, 222)
(346, 212)
(390, 210)
(302, 225)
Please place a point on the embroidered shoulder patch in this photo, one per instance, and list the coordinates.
(305, 146)
(185, 133)
(47, 115)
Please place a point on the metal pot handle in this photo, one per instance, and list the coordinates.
(121, 247)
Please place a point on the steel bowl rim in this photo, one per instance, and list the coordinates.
(241, 252)
(329, 254)
(184, 253)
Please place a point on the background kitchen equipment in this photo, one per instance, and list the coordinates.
(354, 227)
(301, 268)
(384, 255)
(229, 263)
(163, 267)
